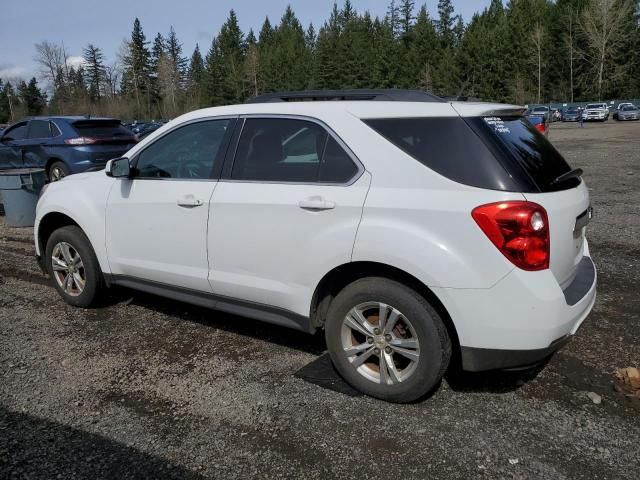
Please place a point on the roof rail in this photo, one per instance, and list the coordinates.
(388, 94)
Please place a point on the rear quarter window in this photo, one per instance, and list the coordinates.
(497, 153)
(448, 146)
(521, 148)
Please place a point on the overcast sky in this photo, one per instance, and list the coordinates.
(107, 23)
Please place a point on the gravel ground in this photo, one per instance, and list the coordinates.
(149, 388)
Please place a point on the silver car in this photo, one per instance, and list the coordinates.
(629, 112)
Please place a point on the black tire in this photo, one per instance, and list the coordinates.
(431, 333)
(94, 280)
(57, 171)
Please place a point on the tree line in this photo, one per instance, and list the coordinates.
(524, 51)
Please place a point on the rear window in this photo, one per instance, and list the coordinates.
(521, 148)
(101, 128)
(536, 119)
(497, 153)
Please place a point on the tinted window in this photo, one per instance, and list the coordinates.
(39, 129)
(101, 128)
(629, 108)
(19, 132)
(288, 150)
(520, 147)
(448, 146)
(337, 166)
(189, 152)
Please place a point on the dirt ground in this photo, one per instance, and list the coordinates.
(149, 388)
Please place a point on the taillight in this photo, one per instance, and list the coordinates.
(81, 141)
(541, 127)
(519, 229)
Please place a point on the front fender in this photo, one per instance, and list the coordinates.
(83, 200)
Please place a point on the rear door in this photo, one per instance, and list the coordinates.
(34, 151)
(285, 213)
(11, 146)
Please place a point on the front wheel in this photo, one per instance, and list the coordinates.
(73, 267)
(386, 340)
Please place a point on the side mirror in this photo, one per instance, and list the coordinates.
(118, 168)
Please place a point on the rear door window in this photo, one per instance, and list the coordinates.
(290, 150)
(39, 129)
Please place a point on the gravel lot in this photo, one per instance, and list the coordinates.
(149, 388)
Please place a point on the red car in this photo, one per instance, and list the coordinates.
(540, 122)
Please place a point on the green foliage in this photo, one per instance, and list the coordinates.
(512, 51)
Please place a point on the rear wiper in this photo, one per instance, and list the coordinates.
(576, 172)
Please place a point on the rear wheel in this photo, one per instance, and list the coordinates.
(57, 171)
(73, 267)
(386, 340)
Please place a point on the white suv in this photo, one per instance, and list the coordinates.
(413, 231)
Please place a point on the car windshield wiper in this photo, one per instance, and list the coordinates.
(576, 172)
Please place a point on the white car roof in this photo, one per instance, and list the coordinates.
(360, 109)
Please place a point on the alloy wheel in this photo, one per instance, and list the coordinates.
(68, 269)
(57, 174)
(380, 343)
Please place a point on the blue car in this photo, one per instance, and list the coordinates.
(64, 145)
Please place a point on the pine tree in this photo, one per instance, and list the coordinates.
(230, 43)
(137, 69)
(406, 19)
(214, 75)
(446, 23)
(174, 51)
(195, 77)
(290, 60)
(422, 56)
(95, 71)
(31, 97)
(5, 111)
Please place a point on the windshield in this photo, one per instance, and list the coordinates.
(628, 108)
(572, 110)
(595, 105)
(540, 109)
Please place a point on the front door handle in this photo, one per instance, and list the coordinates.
(189, 201)
(316, 203)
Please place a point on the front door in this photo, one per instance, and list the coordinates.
(157, 220)
(287, 215)
(11, 146)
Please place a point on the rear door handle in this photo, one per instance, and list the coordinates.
(189, 202)
(316, 203)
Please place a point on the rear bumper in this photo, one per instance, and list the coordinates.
(481, 359)
(522, 319)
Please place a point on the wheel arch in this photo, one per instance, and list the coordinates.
(341, 276)
(50, 223)
(51, 161)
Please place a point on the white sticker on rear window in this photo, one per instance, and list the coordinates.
(498, 124)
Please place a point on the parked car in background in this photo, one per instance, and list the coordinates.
(540, 110)
(413, 231)
(620, 107)
(144, 130)
(540, 122)
(629, 112)
(596, 112)
(63, 145)
(571, 114)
